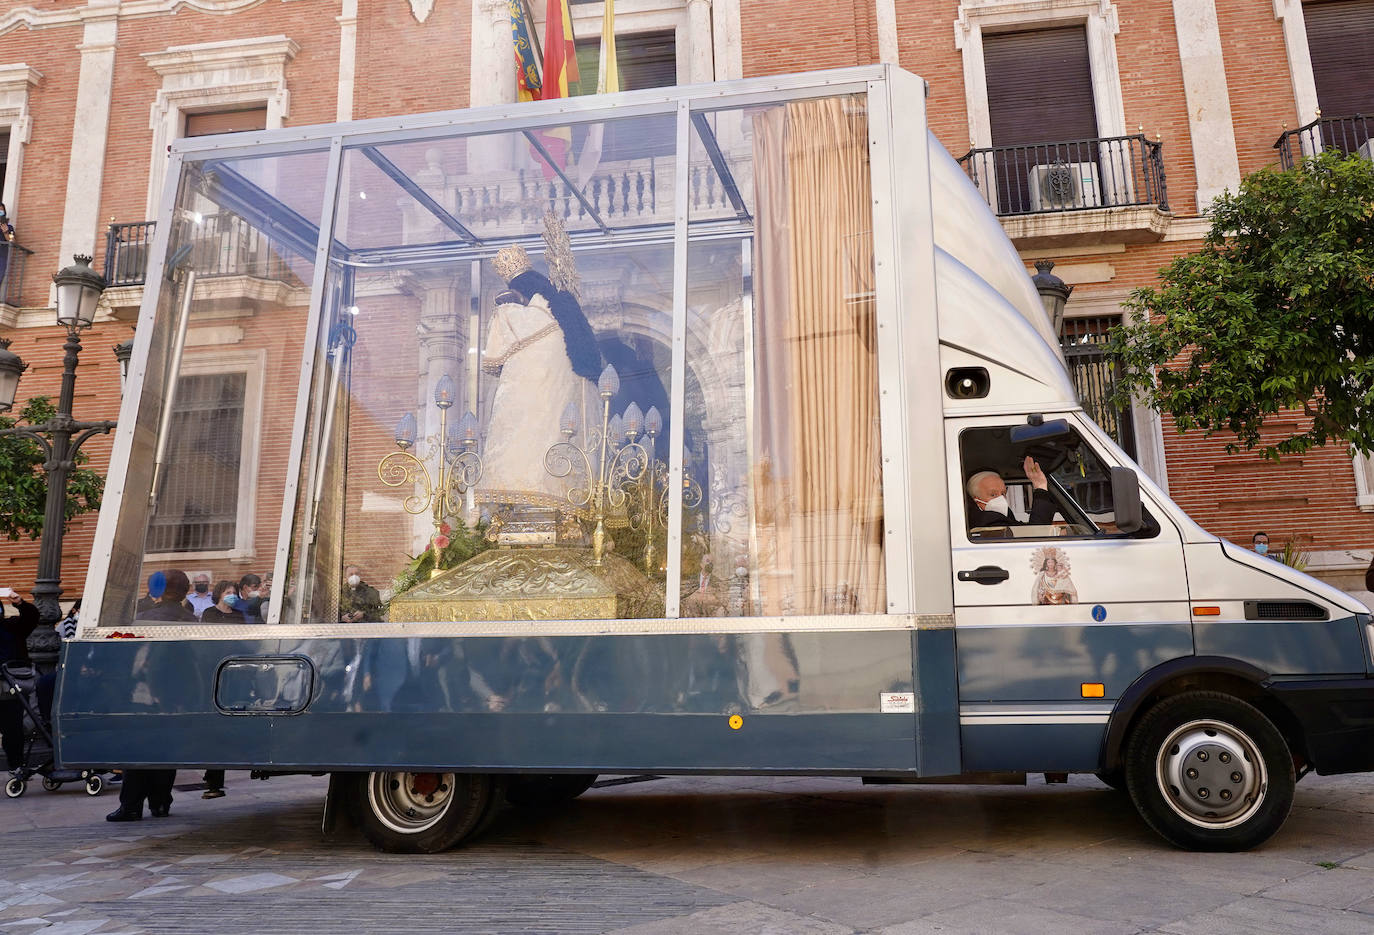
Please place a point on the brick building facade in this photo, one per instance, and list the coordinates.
(1099, 130)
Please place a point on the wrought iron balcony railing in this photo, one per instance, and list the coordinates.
(126, 253)
(221, 245)
(1078, 175)
(12, 261)
(1349, 135)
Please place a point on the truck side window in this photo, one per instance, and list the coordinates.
(1006, 498)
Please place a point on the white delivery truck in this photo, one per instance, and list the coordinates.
(712, 429)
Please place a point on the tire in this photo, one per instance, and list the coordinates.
(1210, 772)
(51, 785)
(15, 788)
(419, 813)
(544, 791)
(94, 784)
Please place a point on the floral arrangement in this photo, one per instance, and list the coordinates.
(449, 547)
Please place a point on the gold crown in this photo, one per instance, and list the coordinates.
(511, 262)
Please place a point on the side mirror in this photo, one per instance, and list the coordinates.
(1126, 500)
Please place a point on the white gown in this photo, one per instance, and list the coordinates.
(525, 345)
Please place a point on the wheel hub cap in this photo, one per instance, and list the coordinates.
(1211, 774)
(410, 803)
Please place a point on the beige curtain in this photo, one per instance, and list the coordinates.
(817, 483)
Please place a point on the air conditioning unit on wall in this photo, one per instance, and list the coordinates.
(1063, 185)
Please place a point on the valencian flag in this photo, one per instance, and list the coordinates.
(560, 71)
(527, 83)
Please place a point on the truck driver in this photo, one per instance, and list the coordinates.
(989, 494)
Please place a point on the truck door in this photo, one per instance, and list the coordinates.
(1056, 610)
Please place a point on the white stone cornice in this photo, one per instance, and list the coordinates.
(163, 7)
(31, 17)
(263, 52)
(15, 77)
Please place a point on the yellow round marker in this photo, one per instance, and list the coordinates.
(736, 722)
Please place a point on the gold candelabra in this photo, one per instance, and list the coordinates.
(651, 515)
(457, 467)
(611, 469)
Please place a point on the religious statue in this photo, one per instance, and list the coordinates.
(545, 353)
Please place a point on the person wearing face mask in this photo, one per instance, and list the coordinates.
(225, 607)
(1260, 542)
(989, 494)
(200, 597)
(360, 602)
(251, 597)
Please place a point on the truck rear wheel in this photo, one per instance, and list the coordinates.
(1210, 772)
(421, 813)
(536, 791)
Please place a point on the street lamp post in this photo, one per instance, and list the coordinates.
(1054, 293)
(78, 292)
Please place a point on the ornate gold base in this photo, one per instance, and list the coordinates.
(532, 584)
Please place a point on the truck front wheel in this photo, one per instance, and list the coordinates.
(1210, 772)
(421, 813)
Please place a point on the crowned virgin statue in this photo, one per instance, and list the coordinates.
(543, 350)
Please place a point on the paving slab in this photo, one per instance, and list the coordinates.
(1256, 915)
(691, 855)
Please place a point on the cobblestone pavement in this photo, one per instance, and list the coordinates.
(684, 855)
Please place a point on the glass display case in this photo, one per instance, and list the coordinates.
(468, 372)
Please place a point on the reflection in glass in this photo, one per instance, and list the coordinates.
(208, 466)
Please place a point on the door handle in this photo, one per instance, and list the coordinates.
(985, 574)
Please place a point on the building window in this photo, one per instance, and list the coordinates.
(229, 81)
(646, 60)
(15, 124)
(1094, 376)
(1040, 112)
(211, 122)
(197, 506)
(1340, 40)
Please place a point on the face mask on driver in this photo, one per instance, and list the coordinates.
(998, 504)
(354, 581)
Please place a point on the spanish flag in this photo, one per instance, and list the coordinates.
(560, 71)
(527, 83)
(560, 51)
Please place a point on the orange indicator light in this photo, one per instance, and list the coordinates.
(736, 722)
(1206, 611)
(1094, 690)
